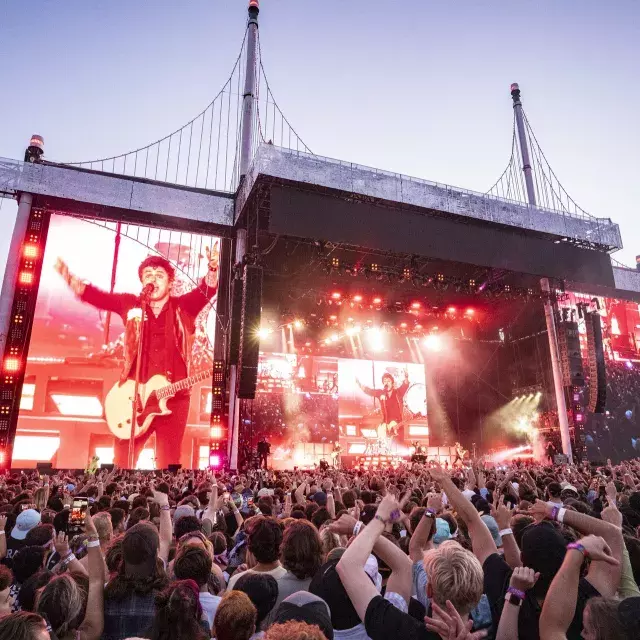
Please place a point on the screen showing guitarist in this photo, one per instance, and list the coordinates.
(391, 400)
(168, 337)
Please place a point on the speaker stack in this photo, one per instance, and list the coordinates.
(249, 327)
(570, 355)
(597, 370)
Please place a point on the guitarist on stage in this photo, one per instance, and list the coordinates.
(167, 342)
(391, 400)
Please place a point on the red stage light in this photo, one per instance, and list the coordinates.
(403, 325)
(451, 310)
(30, 251)
(11, 364)
(357, 298)
(418, 327)
(415, 305)
(26, 277)
(3, 457)
(215, 433)
(377, 301)
(214, 461)
(470, 311)
(336, 295)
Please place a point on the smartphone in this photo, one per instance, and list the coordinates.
(77, 516)
(226, 495)
(250, 502)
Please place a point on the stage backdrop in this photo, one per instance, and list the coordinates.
(73, 360)
(305, 405)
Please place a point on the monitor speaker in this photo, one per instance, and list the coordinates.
(107, 467)
(174, 468)
(43, 467)
(249, 339)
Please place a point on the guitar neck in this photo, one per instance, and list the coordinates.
(171, 389)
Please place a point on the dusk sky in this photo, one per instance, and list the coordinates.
(420, 88)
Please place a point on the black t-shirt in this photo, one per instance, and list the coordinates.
(497, 574)
(13, 546)
(383, 621)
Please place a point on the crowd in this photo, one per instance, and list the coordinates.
(417, 552)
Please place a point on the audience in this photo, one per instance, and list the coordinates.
(522, 552)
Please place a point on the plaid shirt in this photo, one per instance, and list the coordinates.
(130, 617)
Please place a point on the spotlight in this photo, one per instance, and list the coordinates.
(415, 306)
(263, 332)
(336, 295)
(35, 150)
(334, 337)
(377, 301)
(298, 324)
(357, 298)
(451, 310)
(352, 331)
(470, 311)
(433, 342)
(375, 337)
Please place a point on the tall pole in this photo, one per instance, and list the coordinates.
(249, 95)
(25, 200)
(524, 147)
(549, 309)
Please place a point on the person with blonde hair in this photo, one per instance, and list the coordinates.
(235, 617)
(455, 574)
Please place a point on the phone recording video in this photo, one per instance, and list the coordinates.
(77, 516)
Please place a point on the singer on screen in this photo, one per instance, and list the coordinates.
(167, 340)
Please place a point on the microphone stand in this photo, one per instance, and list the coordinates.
(136, 404)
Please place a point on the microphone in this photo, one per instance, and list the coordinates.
(147, 290)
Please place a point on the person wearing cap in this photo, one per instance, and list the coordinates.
(27, 520)
(306, 608)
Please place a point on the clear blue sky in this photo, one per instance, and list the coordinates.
(416, 87)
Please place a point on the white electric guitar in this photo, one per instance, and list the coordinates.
(153, 397)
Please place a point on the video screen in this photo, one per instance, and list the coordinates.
(97, 280)
(615, 433)
(309, 407)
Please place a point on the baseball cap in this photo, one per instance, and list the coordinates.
(27, 520)
(320, 498)
(569, 489)
(443, 531)
(306, 607)
(183, 511)
(327, 585)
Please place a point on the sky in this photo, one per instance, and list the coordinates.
(420, 88)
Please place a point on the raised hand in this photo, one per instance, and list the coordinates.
(343, 526)
(523, 578)
(75, 284)
(598, 549)
(449, 625)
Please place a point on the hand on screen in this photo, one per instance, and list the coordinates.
(76, 285)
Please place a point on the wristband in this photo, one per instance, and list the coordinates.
(93, 543)
(561, 513)
(2, 533)
(516, 592)
(578, 547)
(356, 527)
(505, 532)
(165, 507)
(431, 511)
(377, 517)
(69, 558)
(554, 513)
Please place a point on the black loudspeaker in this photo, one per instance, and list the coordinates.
(597, 369)
(107, 467)
(249, 339)
(44, 467)
(236, 321)
(174, 468)
(570, 354)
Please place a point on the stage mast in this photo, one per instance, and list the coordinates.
(248, 123)
(549, 308)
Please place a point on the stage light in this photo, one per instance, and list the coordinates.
(263, 333)
(352, 331)
(451, 310)
(214, 461)
(433, 342)
(357, 298)
(377, 301)
(415, 305)
(375, 337)
(215, 433)
(68, 405)
(333, 318)
(30, 251)
(470, 311)
(336, 295)
(334, 337)
(26, 277)
(11, 364)
(403, 325)
(298, 324)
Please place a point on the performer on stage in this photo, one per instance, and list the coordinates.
(391, 400)
(264, 449)
(168, 336)
(460, 454)
(551, 451)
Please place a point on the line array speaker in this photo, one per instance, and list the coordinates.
(570, 355)
(249, 339)
(597, 370)
(236, 320)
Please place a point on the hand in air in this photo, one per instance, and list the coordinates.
(450, 626)
(523, 578)
(75, 284)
